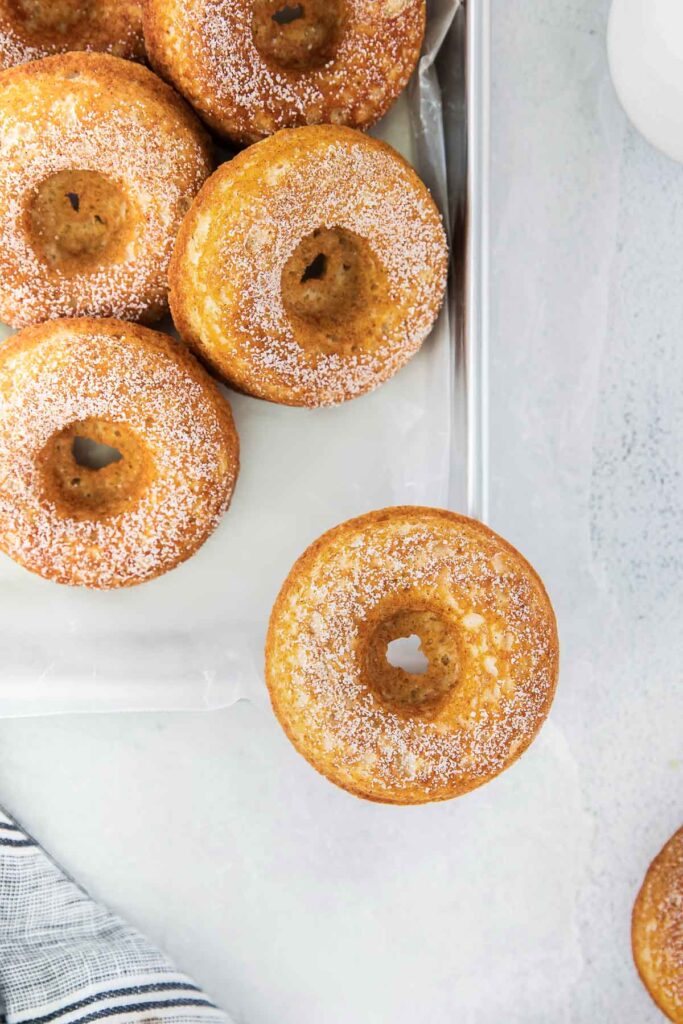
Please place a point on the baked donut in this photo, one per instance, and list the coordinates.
(310, 268)
(387, 731)
(167, 434)
(99, 162)
(30, 29)
(251, 67)
(657, 929)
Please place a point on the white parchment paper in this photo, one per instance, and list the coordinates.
(194, 638)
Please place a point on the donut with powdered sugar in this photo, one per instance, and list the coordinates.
(410, 733)
(72, 391)
(310, 268)
(99, 162)
(657, 929)
(252, 67)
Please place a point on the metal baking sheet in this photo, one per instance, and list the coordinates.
(194, 638)
(463, 67)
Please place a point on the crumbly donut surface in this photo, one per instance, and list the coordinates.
(236, 63)
(31, 29)
(657, 930)
(140, 392)
(241, 294)
(487, 628)
(113, 128)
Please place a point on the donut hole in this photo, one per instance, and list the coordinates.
(407, 653)
(329, 286)
(93, 469)
(316, 269)
(77, 220)
(93, 454)
(50, 17)
(297, 36)
(412, 661)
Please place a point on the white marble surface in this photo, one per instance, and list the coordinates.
(291, 901)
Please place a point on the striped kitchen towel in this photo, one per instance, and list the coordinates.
(64, 959)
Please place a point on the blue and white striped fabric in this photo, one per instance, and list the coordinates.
(64, 959)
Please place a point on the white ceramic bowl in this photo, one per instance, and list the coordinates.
(645, 48)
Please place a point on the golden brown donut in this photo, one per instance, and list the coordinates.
(251, 67)
(99, 162)
(30, 29)
(310, 268)
(657, 929)
(67, 383)
(486, 627)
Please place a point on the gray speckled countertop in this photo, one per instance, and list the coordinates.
(290, 901)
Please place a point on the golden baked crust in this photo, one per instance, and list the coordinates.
(657, 929)
(99, 162)
(252, 67)
(31, 29)
(141, 393)
(486, 626)
(310, 268)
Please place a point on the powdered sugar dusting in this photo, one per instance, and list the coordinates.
(70, 116)
(207, 48)
(69, 371)
(288, 187)
(317, 669)
(658, 927)
(114, 26)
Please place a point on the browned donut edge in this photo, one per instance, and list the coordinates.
(111, 70)
(131, 47)
(635, 929)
